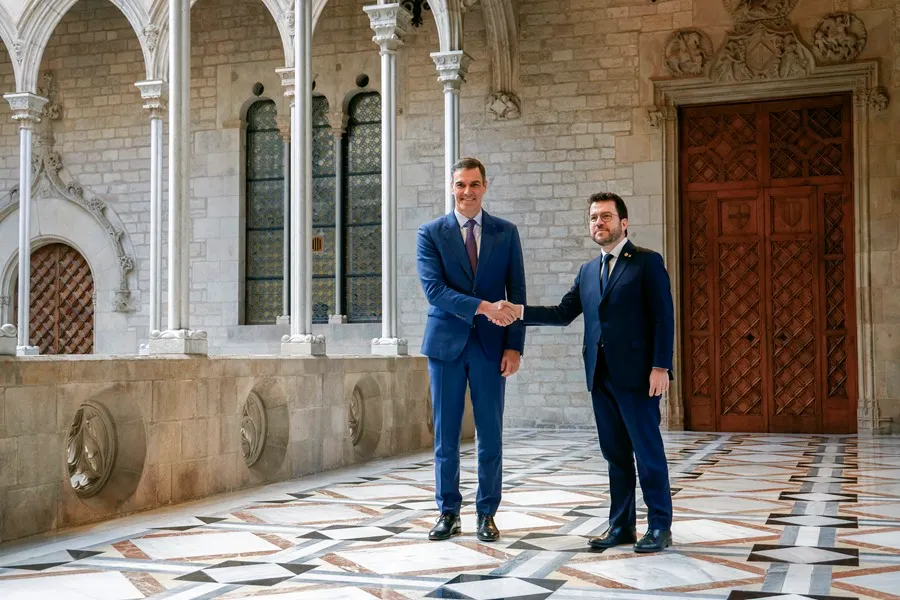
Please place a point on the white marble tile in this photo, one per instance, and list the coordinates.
(782, 448)
(733, 485)
(318, 513)
(886, 511)
(705, 530)
(495, 589)
(335, 593)
(203, 544)
(244, 573)
(763, 458)
(508, 521)
(79, 586)
(664, 570)
(747, 471)
(548, 498)
(586, 479)
(884, 539)
(376, 492)
(886, 583)
(408, 558)
(725, 504)
(803, 555)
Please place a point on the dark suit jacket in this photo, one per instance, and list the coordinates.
(454, 292)
(634, 318)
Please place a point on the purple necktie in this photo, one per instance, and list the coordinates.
(471, 248)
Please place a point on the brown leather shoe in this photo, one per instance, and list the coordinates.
(448, 525)
(487, 530)
(614, 536)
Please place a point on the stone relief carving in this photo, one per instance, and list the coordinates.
(151, 36)
(839, 37)
(762, 52)
(503, 106)
(687, 52)
(19, 50)
(743, 11)
(90, 449)
(415, 8)
(357, 416)
(656, 115)
(8, 331)
(253, 429)
(875, 98)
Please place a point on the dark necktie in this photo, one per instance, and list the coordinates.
(604, 272)
(471, 248)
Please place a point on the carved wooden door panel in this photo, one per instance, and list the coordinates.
(768, 314)
(62, 301)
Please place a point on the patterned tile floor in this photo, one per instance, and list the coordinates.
(756, 516)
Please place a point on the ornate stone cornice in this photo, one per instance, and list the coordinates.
(153, 93)
(390, 22)
(452, 67)
(26, 107)
(288, 77)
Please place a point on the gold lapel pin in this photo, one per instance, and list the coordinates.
(627, 255)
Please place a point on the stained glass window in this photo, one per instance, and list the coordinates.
(362, 210)
(323, 175)
(265, 215)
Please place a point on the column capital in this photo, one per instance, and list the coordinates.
(390, 22)
(26, 107)
(153, 93)
(288, 80)
(284, 127)
(452, 67)
(338, 121)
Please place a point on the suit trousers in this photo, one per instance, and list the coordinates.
(628, 429)
(448, 396)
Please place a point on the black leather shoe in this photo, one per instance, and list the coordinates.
(487, 530)
(655, 540)
(448, 525)
(614, 536)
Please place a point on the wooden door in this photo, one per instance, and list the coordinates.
(767, 255)
(62, 301)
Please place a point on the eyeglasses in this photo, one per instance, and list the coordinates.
(605, 217)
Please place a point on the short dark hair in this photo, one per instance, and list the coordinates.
(610, 197)
(469, 162)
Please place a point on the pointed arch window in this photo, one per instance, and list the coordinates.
(362, 209)
(264, 235)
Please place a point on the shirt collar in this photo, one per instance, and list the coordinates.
(617, 250)
(462, 220)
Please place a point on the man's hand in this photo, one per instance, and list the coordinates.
(509, 364)
(659, 381)
(515, 308)
(500, 313)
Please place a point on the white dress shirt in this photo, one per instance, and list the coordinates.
(615, 253)
(462, 220)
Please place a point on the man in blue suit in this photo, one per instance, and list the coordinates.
(468, 261)
(628, 338)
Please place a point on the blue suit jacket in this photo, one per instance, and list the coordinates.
(634, 318)
(454, 292)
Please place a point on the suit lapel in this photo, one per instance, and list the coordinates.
(488, 237)
(453, 238)
(622, 264)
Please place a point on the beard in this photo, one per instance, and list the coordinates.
(609, 236)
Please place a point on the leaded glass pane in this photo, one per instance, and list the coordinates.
(323, 201)
(364, 192)
(320, 111)
(323, 262)
(322, 298)
(267, 300)
(265, 253)
(265, 203)
(265, 215)
(362, 254)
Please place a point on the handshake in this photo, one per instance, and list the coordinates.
(500, 313)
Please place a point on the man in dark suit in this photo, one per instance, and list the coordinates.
(628, 338)
(468, 261)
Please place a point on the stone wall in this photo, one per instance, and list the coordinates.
(178, 427)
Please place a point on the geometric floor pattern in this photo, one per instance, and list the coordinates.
(781, 517)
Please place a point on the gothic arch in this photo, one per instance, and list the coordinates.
(503, 41)
(40, 19)
(10, 41)
(159, 62)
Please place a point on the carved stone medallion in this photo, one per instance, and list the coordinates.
(357, 416)
(687, 52)
(759, 10)
(253, 429)
(90, 449)
(839, 37)
(762, 52)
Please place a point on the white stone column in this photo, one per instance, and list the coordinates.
(178, 338)
(301, 341)
(390, 22)
(338, 122)
(154, 96)
(26, 109)
(452, 69)
(284, 128)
